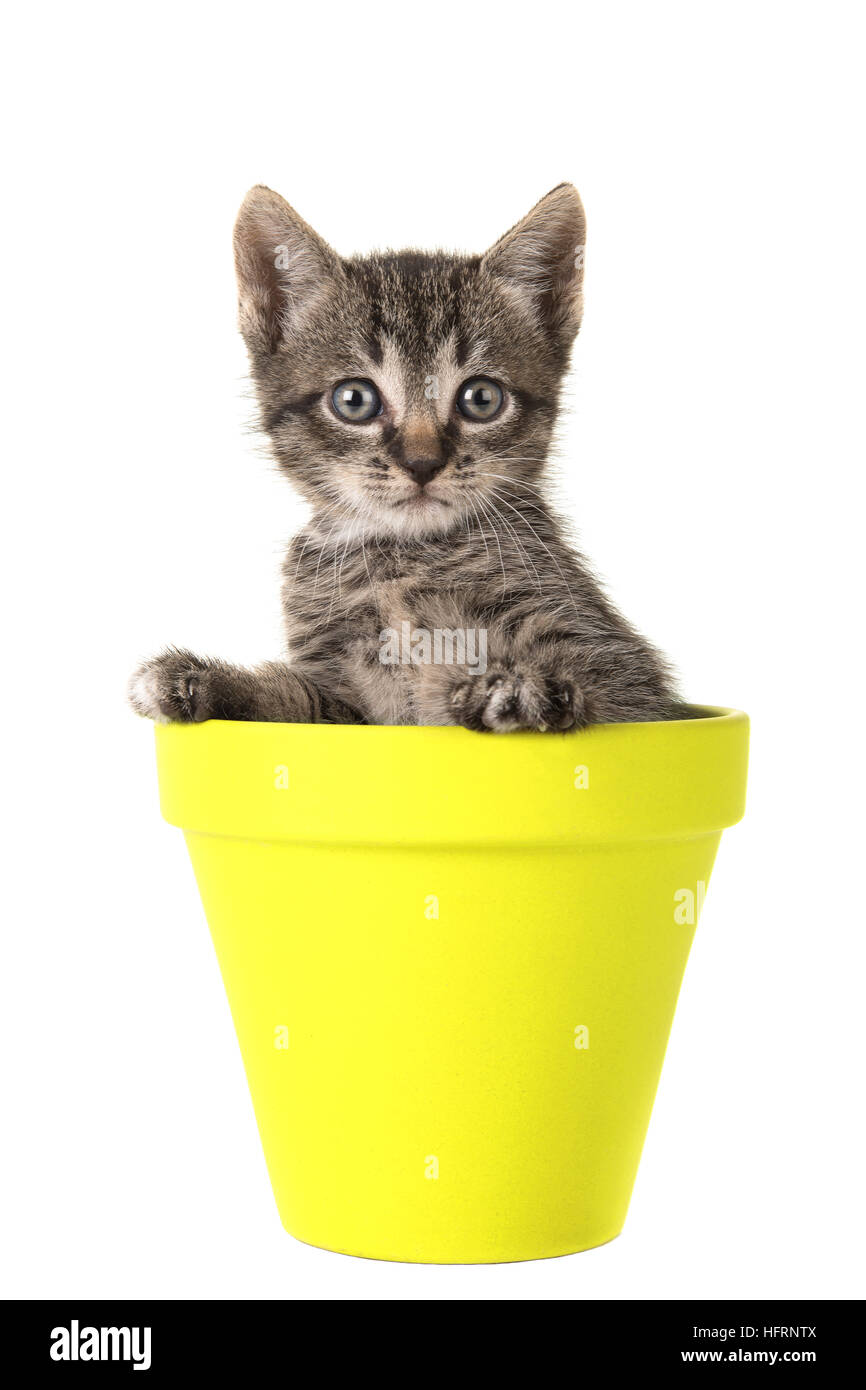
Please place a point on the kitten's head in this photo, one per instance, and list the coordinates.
(404, 390)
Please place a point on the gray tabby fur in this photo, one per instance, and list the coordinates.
(475, 547)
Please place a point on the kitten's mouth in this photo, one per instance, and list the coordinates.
(420, 499)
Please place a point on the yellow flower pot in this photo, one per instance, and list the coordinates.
(453, 961)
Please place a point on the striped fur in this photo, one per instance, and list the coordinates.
(476, 547)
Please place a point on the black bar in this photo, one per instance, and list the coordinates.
(288, 1339)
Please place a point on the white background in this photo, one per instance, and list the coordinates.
(711, 456)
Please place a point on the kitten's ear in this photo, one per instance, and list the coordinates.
(283, 267)
(541, 260)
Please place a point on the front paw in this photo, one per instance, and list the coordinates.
(171, 688)
(505, 701)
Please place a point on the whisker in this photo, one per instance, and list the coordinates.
(542, 511)
(481, 529)
(481, 503)
(522, 551)
(546, 548)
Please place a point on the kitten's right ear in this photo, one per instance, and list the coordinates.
(541, 261)
(283, 268)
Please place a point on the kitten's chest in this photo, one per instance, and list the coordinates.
(366, 591)
(360, 636)
(357, 617)
(369, 663)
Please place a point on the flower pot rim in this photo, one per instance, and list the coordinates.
(409, 785)
(714, 713)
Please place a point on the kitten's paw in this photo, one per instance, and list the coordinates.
(171, 689)
(505, 701)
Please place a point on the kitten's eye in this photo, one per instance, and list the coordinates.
(479, 399)
(356, 400)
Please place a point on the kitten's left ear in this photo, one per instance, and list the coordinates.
(283, 268)
(541, 259)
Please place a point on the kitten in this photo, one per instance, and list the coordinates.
(411, 398)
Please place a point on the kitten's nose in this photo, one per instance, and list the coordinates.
(422, 470)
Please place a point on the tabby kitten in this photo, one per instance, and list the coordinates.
(411, 398)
